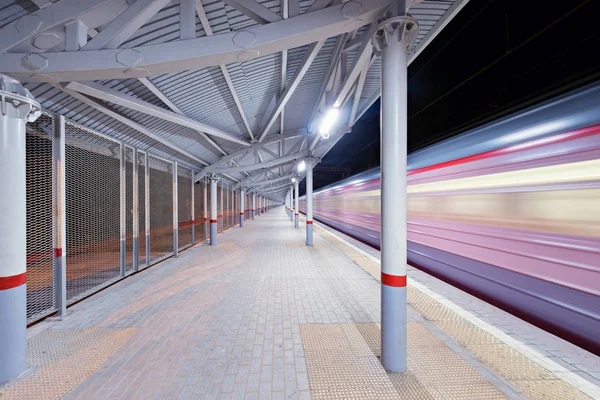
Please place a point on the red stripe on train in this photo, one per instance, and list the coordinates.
(563, 137)
(13, 281)
(393, 280)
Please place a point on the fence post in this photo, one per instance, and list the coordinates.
(60, 256)
(136, 213)
(122, 209)
(175, 209)
(147, 206)
(193, 209)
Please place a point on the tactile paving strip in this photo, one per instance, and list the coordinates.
(62, 359)
(343, 362)
(525, 375)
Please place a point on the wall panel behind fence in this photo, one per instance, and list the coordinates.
(184, 207)
(161, 208)
(40, 175)
(92, 179)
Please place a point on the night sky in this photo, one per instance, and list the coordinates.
(495, 57)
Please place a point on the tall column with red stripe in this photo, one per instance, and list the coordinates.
(391, 38)
(296, 201)
(253, 204)
(18, 106)
(309, 202)
(213, 209)
(242, 206)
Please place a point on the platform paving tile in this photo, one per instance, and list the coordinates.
(259, 316)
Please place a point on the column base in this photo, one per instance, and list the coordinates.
(309, 233)
(13, 334)
(213, 234)
(393, 328)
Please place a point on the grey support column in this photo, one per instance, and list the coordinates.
(221, 209)
(242, 205)
(122, 210)
(18, 107)
(193, 208)
(206, 219)
(392, 39)
(60, 255)
(147, 207)
(213, 209)
(175, 213)
(253, 204)
(296, 203)
(136, 214)
(309, 202)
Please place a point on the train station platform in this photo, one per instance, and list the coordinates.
(261, 315)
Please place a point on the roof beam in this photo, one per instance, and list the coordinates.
(54, 15)
(122, 27)
(357, 93)
(187, 19)
(114, 96)
(306, 62)
(333, 62)
(177, 56)
(158, 93)
(132, 124)
(209, 32)
(267, 164)
(254, 10)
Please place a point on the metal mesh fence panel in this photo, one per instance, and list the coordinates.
(92, 179)
(227, 199)
(40, 176)
(184, 206)
(220, 209)
(141, 160)
(161, 208)
(199, 216)
(129, 208)
(236, 210)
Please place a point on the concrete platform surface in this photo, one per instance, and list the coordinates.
(263, 316)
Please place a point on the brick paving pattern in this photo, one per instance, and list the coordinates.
(231, 321)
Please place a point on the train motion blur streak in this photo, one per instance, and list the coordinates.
(509, 212)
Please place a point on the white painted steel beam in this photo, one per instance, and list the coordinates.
(158, 93)
(267, 164)
(254, 10)
(125, 25)
(209, 32)
(187, 19)
(28, 26)
(114, 96)
(306, 62)
(132, 124)
(75, 35)
(357, 93)
(196, 53)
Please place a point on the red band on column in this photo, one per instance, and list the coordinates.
(213, 221)
(241, 213)
(9, 282)
(309, 223)
(296, 214)
(393, 280)
(58, 252)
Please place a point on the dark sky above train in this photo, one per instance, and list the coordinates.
(496, 57)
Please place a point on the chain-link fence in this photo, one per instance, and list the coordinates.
(92, 184)
(41, 194)
(95, 224)
(161, 208)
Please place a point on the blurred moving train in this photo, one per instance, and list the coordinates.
(509, 212)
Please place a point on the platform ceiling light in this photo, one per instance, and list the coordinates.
(293, 180)
(328, 121)
(302, 166)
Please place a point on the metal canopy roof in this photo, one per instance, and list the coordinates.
(233, 87)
